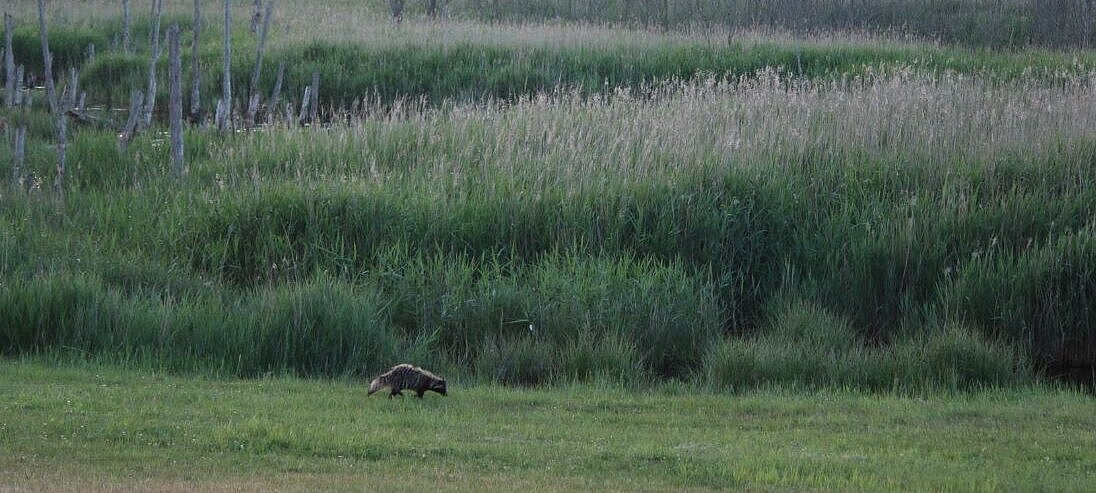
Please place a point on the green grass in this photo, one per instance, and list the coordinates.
(1012, 23)
(444, 63)
(545, 203)
(921, 214)
(98, 428)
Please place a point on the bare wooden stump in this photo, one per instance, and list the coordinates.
(47, 58)
(130, 130)
(19, 77)
(397, 10)
(19, 156)
(314, 105)
(252, 110)
(305, 101)
(224, 107)
(175, 102)
(73, 87)
(9, 62)
(195, 68)
(276, 95)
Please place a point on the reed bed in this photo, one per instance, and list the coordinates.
(938, 226)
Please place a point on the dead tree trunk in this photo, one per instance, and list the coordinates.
(130, 129)
(314, 105)
(125, 26)
(175, 103)
(20, 75)
(276, 96)
(73, 91)
(253, 99)
(397, 10)
(154, 34)
(9, 62)
(20, 154)
(305, 101)
(195, 68)
(256, 15)
(150, 96)
(224, 106)
(62, 143)
(47, 58)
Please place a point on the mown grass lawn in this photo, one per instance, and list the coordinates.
(100, 428)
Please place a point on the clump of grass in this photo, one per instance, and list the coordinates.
(67, 45)
(658, 311)
(806, 347)
(1040, 296)
(317, 328)
(523, 360)
(606, 358)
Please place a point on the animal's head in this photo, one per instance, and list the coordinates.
(438, 386)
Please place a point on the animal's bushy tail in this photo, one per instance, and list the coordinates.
(374, 386)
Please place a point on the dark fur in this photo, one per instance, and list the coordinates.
(407, 377)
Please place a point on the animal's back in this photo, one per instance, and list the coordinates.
(400, 377)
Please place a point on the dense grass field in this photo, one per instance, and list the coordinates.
(62, 430)
(654, 246)
(734, 208)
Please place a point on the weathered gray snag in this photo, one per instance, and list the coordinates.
(314, 106)
(125, 26)
(9, 62)
(20, 155)
(276, 96)
(224, 107)
(130, 130)
(62, 144)
(256, 15)
(76, 97)
(20, 76)
(397, 10)
(252, 109)
(175, 105)
(195, 68)
(253, 99)
(304, 104)
(47, 58)
(150, 96)
(91, 52)
(74, 86)
(154, 34)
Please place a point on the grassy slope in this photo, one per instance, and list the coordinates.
(102, 428)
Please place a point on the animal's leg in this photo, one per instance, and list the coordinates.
(419, 393)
